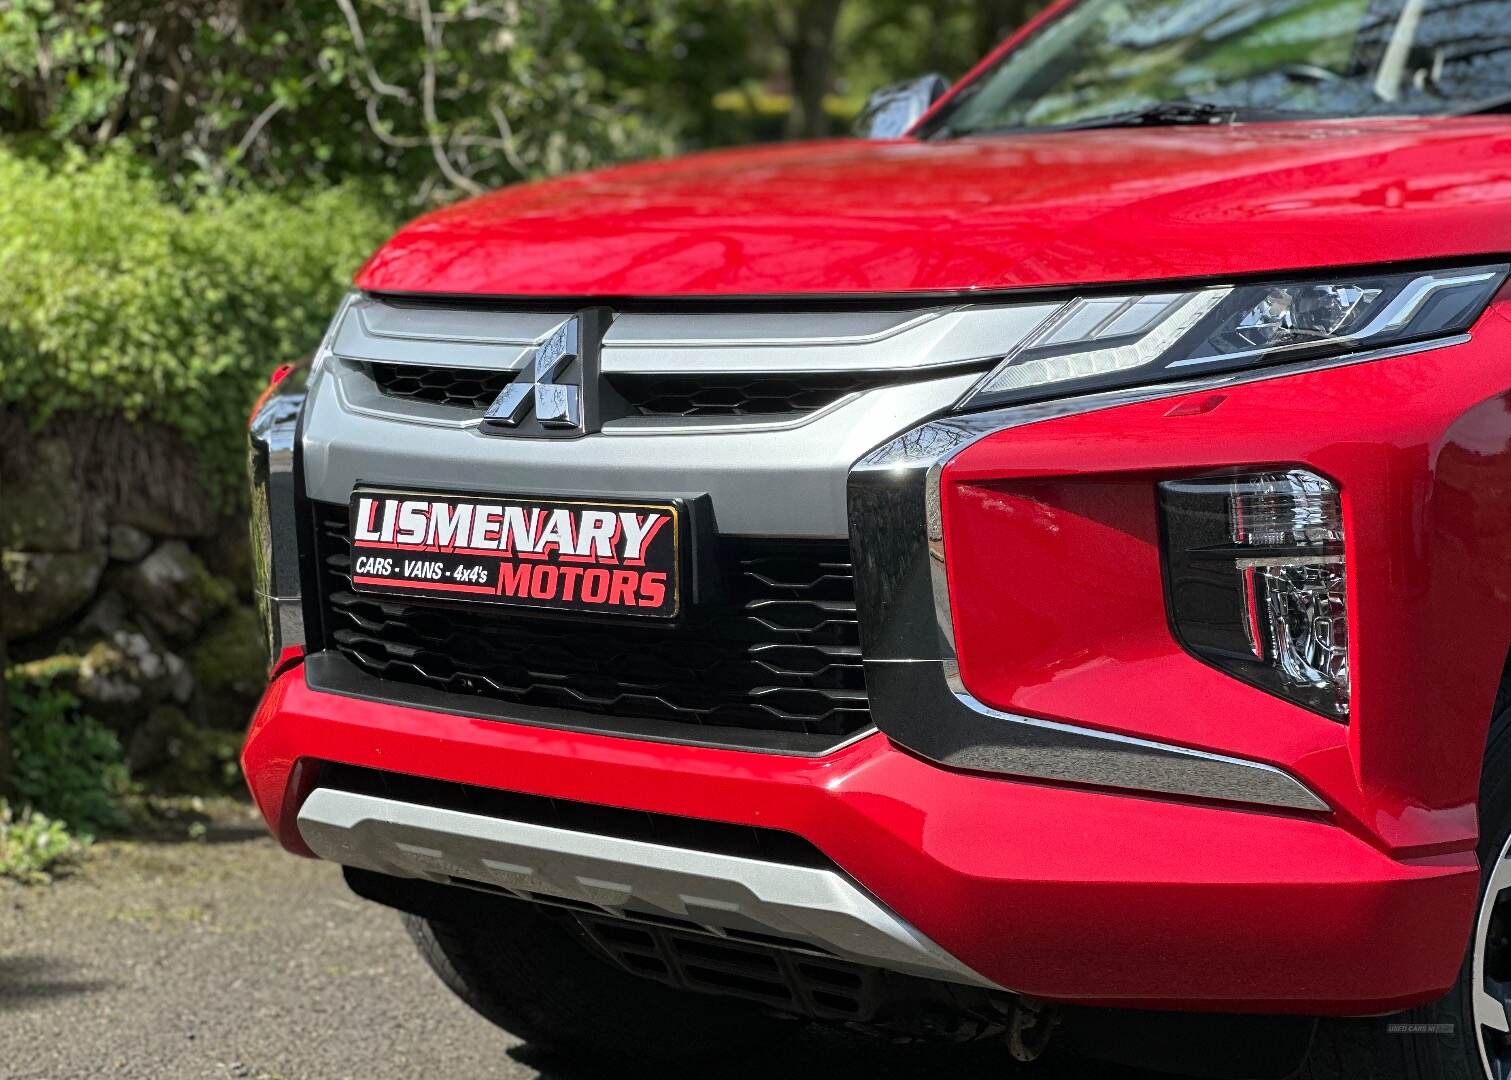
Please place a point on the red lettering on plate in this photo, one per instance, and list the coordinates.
(514, 579)
(652, 590)
(595, 586)
(543, 584)
(622, 591)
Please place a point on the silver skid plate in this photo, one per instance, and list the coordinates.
(720, 893)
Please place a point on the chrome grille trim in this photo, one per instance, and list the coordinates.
(701, 343)
(374, 331)
(719, 343)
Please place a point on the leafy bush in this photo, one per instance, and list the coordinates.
(68, 765)
(119, 301)
(31, 845)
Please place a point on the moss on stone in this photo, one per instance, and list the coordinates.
(192, 760)
(63, 667)
(229, 668)
(212, 594)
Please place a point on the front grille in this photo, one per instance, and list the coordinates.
(777, 651)
(740, 395)
(644, 395)
(469, 388)
(781, 977)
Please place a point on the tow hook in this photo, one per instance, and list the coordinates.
(1033, 1024)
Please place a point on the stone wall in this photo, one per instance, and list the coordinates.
(123, 584)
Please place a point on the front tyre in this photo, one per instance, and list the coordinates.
(529, 974)
(1490, 964)
(1465, 1035)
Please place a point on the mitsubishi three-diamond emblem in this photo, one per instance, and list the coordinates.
(556, 404)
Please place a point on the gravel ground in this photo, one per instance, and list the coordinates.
(224, 957)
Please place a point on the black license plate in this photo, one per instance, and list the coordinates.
(598, 556)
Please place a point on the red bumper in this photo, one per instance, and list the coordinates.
(1064, 894)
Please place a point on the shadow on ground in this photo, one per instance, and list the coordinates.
(162, 959)
(834, 1057)
(28, 980)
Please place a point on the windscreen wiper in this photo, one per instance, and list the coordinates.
(1160, 114)
(1498, 104)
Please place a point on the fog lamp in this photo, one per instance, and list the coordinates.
(1256, 574)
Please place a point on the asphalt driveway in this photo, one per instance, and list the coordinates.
(223, 957)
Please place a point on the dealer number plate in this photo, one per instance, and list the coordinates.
(595, 556)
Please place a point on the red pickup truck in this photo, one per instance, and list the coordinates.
(1041, 576)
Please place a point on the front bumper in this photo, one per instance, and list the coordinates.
(1066, 894)
(1064, 820)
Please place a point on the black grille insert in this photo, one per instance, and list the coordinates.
(741, 395)
(778, 652)
(644, 395)
(463, 387)
(791, 981)
(698, 834)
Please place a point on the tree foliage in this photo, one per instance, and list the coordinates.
(121, 302)
(430, 97)
(882, 41)
(436, 98)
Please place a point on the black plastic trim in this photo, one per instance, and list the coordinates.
(914, 704)
(668, 830)
(332, 673)
(912, 676)
(276, 480)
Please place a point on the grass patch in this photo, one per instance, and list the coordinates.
(33, 847)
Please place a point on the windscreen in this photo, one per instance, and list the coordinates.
(1347, 58)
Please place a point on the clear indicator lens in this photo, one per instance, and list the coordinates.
(1294, 508)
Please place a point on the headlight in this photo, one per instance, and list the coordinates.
(1098, 343)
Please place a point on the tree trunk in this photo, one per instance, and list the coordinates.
(6, 762)
(810, 62)
(995, 19)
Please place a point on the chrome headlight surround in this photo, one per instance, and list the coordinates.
(275, 479)
(1108, 342)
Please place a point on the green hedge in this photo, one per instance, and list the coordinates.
(69, 766)
(115, 299)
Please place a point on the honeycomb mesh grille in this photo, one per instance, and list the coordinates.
(740, 395)
(468, 388)
(780, 652)
(644, 395)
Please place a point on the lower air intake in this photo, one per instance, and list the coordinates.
(790, 981)
(778, 651)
